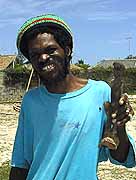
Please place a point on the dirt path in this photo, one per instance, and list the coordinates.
(8, 124)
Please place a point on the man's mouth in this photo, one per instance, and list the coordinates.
(49, 67)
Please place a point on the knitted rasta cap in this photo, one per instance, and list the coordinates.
(42, 19)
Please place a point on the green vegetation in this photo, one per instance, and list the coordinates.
(106, 74)
(101, 73)
(81, 64)
(131, 80)
(20, 74)
(4, 171)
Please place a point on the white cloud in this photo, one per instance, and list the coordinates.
(16, 11)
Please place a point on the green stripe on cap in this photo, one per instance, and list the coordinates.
(49, 18)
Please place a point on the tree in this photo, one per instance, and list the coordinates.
(80, 61)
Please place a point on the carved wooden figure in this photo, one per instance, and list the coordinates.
(110, 137)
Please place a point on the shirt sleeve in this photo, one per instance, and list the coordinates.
(130, 162)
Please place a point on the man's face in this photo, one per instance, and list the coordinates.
(47, 57)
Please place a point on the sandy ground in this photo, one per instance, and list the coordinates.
(8, 124)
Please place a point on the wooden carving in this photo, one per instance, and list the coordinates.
(110, 137)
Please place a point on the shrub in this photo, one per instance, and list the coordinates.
(4, 171)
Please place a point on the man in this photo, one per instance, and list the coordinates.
(61, 122)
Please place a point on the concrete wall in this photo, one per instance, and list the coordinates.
(10, 94)
(126, 63)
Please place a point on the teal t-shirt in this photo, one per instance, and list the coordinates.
(58, 134)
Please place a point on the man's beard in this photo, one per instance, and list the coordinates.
(58, 74)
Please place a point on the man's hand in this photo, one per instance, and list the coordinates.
(119, 117)
(18, 173)
(122, 114)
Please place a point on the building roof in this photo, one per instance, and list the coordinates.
(128, 63)
(5, 61)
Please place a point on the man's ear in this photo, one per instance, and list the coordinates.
(68, 51)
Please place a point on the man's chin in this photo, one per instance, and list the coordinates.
(52, 79)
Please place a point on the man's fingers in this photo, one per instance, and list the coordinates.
(125, 108)
(114, 115)
(121, 116)
(124, 121)
(123, 99)
(130, 110)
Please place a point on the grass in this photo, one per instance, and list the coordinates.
(4, 171)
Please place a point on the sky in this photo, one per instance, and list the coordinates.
(102, 29)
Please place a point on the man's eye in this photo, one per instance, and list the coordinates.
(52, 50)
(33, 55)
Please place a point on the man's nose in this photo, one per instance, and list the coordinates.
(43, 57)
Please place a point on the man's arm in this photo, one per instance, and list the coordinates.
(121, 109)
(18, 173)
(121, 153)
(117, 129)
(124, 114)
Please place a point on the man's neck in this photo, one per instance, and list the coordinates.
(69, 84)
